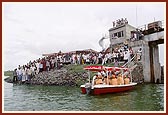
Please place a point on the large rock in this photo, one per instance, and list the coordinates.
(137, 73)
(59, 77)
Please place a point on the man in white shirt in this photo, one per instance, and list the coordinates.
(19, 74)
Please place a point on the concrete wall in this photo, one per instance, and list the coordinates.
(136, 45)
(154, 36)
(145, 57)
(118, 40)
(156, 64)
(146, 62)
(126, 31)
(150, 53)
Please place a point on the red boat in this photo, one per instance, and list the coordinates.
(104, 88)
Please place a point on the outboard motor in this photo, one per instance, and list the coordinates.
(88, 87)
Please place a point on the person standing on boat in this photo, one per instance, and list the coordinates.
(15, 79)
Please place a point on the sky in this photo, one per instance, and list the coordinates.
(32, 29)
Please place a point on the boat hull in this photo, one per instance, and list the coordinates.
(104, 89)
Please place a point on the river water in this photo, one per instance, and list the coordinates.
(145, 97)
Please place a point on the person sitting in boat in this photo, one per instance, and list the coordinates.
(104, 79)
(112, 79)
(104, 76)
(120, 80)
(99, 79)
(94, 79)
(103, 73)
(126, 80)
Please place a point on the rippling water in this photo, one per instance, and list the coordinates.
(145, 97)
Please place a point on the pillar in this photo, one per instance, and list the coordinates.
(156, 64)
(146, 62)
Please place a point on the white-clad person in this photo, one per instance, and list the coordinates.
(19, 74)
(126, 56)
(33, 68)
(29, 73)
(24, 74)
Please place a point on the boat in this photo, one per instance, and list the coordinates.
(104, 88)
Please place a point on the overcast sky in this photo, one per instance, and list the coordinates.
(32, 29)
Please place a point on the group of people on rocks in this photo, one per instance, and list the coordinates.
(136, 35)
(26, 72)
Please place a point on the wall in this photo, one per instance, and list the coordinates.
(151, 69)
(126, 31)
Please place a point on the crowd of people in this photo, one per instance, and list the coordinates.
(26, 72)
(120, 22)
(136, 35)
(110, 78)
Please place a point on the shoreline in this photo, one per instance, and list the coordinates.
(69, 75)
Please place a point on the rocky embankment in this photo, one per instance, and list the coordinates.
(137, 73)
(59, 77)
(73, 75)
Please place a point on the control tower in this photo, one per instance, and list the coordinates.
(119, 33)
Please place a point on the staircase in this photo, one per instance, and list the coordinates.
(131, 64)
(135, 70)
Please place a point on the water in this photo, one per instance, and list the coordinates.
(145, 97)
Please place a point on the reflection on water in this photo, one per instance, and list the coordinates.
(145, 97)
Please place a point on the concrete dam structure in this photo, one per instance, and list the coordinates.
(148, 40)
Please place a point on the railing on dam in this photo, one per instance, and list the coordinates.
(145, 26)
(153, 27)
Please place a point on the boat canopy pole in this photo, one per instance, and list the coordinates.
(122, 73)
(89, 75)
(107, 77)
